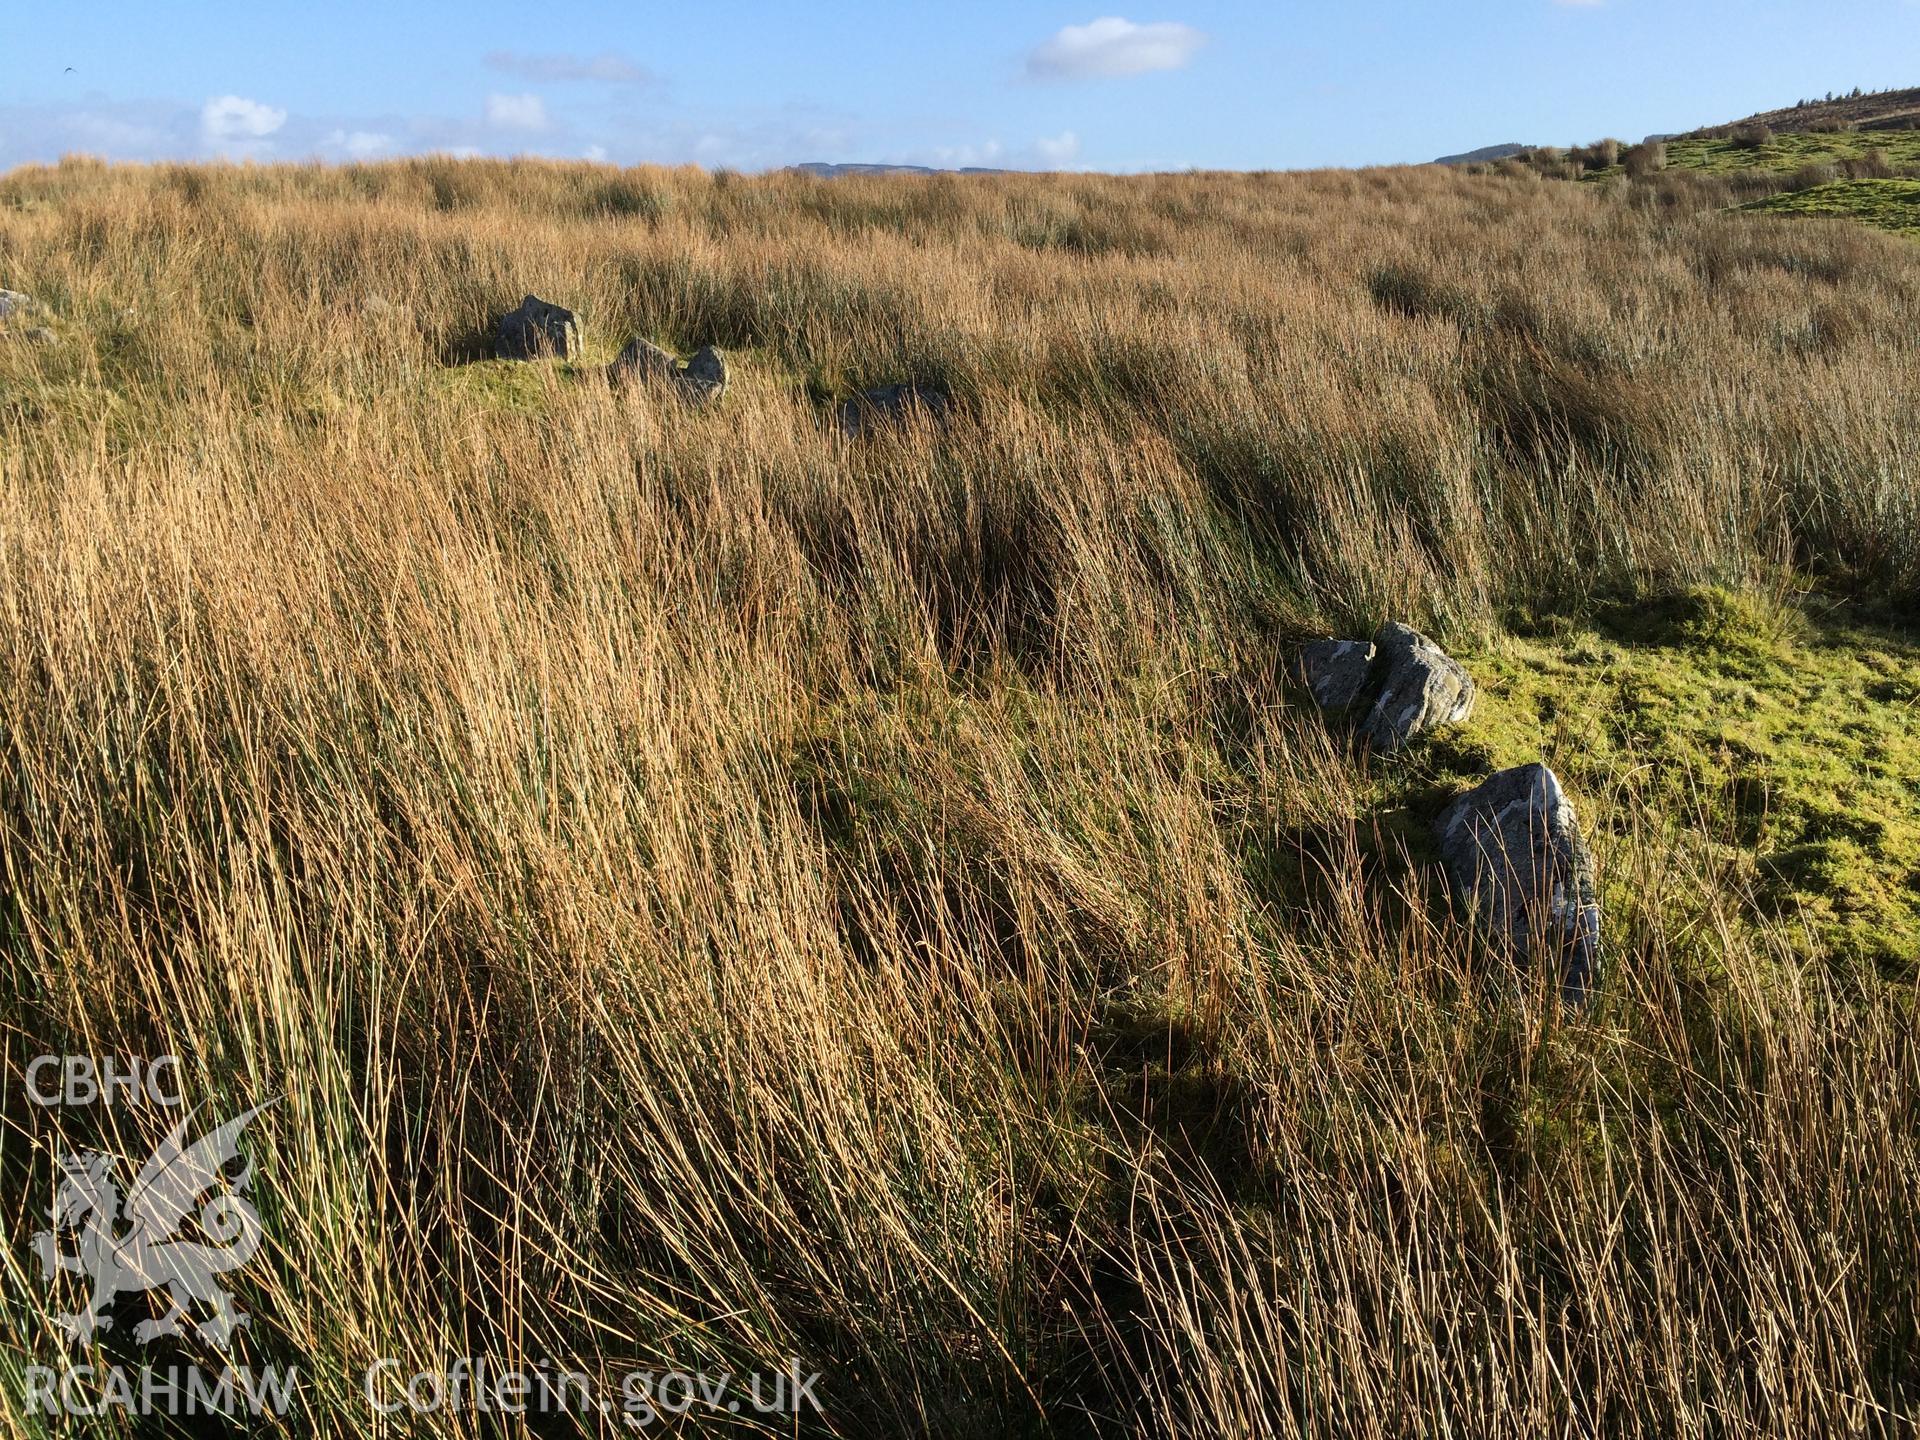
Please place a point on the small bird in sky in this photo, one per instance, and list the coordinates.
(69, 69)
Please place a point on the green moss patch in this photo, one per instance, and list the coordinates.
(1789, 152)
(516, 385)
(1787, 743)
(1885, 204)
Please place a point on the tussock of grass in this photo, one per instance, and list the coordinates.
(708, 890)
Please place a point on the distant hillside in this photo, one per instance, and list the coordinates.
(1854, 157)
(830, 171)
(1486, 155)
(1883, 110)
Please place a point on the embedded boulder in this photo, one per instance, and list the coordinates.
(1421, 687)
(13, 303)
(642, 359)
(704, 377)
(1513, 851)
(706, 374)
(892, 405)
(537, 330)
(1335, 672)
(1401, 684)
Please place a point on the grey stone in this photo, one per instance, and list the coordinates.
(1513, 851)
(642, 359)
(892, 405)
(702, 378)
(1421, 687)
(537, 330)
(40, 335)
(12, 303)
(1334, 671)
(706, 373)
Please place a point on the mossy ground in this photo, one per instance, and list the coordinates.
(1772, 743)
(1885, 204)
(1789, 152)
(1780, 743)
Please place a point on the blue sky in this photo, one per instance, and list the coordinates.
(1156, 84)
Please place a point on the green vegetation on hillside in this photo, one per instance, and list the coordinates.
(1884, 204)
(1844, 168)
(1787, 152)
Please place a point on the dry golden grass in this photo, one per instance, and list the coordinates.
(709, 891)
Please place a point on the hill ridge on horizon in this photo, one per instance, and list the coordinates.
(1859, 109)
(829, 169)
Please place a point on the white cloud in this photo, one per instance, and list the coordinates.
(516, 112)
(359, 143)
(1112, 46)
(230, 117)
(607, 67)
(959, 157)
(596, 153)
(1059, 149)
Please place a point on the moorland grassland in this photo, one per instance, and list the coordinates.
(707, 889)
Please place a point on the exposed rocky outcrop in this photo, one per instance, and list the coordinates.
(1402, 684)
(537, 330)
(702, 378)
(1514, 853)
(892, 405)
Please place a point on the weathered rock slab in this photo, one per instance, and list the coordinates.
(537, 330)
(1401, 685)
(1513, 851)
(892, 405)
(1421, 687)
(706, 374)
(1335, 672)
(643, 359)
(702, 378)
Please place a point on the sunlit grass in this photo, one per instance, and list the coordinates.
(707, 889)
